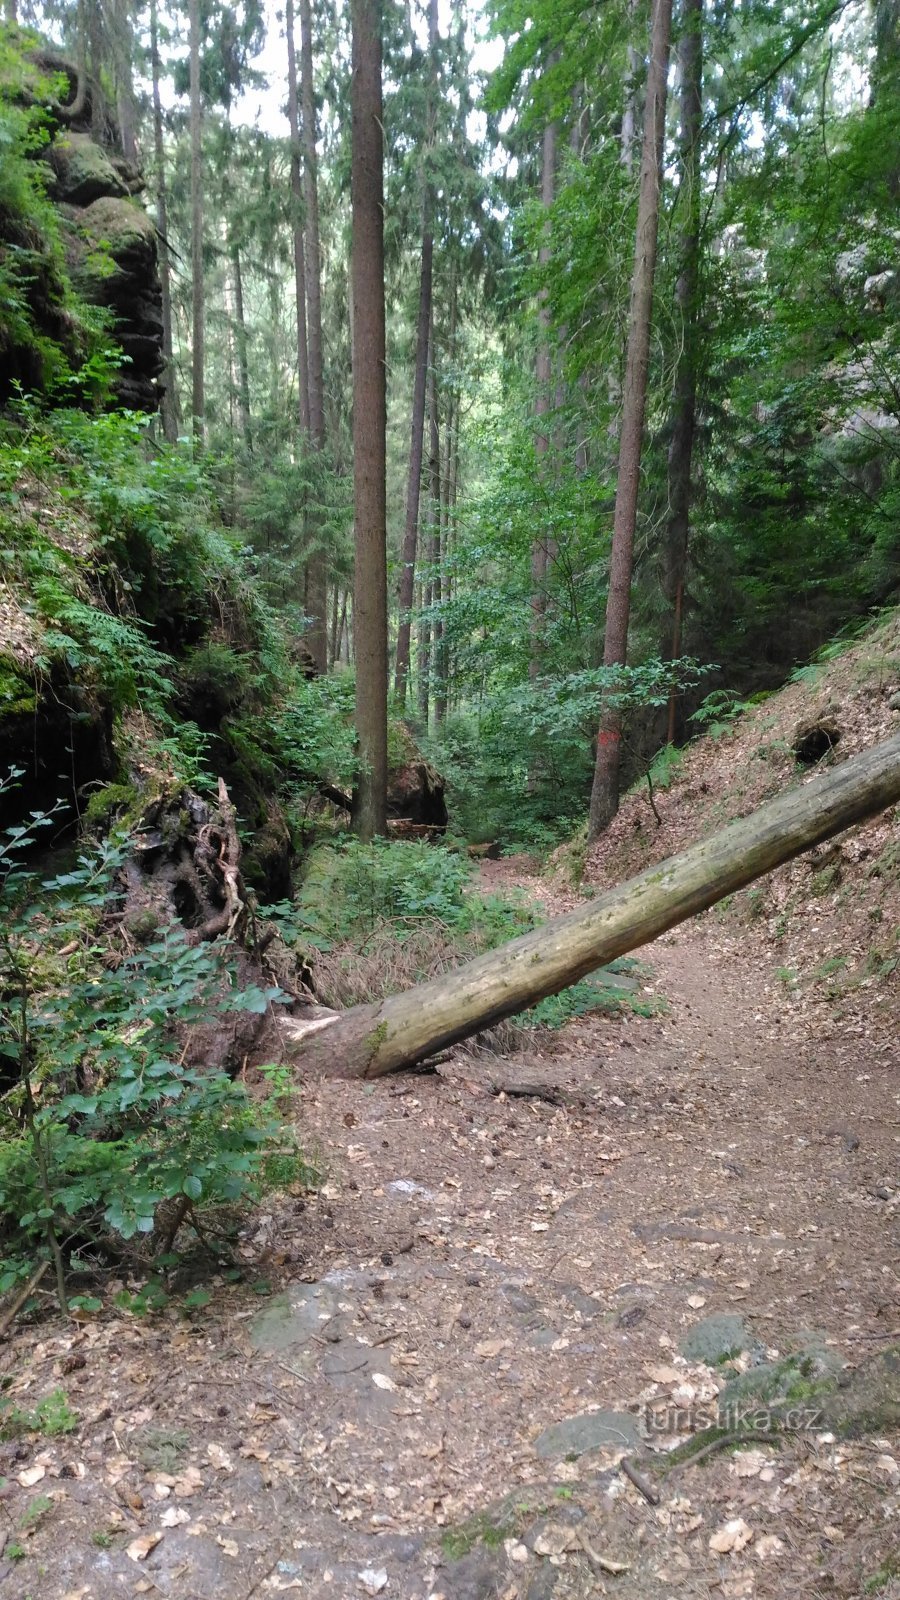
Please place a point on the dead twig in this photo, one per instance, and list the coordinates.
(642, 1484)
(598, 1562)
(740, 1436)
(12, 1310)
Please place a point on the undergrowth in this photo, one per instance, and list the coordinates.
(106, 1135)
(374, 919)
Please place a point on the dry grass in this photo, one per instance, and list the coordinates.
(353, 974)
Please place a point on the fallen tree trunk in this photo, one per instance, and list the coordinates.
(371, 1040)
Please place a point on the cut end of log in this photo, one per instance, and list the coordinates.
(313, 1020)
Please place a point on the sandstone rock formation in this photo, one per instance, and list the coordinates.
(109, 241)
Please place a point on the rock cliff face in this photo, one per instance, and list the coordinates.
(109, 240)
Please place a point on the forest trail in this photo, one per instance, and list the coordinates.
(457, 1337)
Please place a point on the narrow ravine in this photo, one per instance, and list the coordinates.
(492, 1298)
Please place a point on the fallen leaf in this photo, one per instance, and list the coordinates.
(731, 1538)
(230, 1546)
(139, 1549)
(488, 1348)
(696, 1301)
(516, 1552)
(768, 1545)
(382, 1381)
(188, 1483)
(664, 1374)
(220, 1458)
(174, 1516)
(748, 1463)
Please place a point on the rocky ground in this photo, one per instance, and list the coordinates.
(430, 1379)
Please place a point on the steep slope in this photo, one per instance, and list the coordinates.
(827, 925)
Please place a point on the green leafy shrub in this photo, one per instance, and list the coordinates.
(520, 770)
(101, 1123)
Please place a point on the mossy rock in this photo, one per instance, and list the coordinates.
(114, 800)
(121, 239)
(82, 171)
(868, 1402)
(800, 1379)
(717, 1338)
(18, 697)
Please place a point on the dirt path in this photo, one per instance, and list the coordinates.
(489, 1301)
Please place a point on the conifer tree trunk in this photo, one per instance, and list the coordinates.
(316, 592)
(605, 792)
(243, 362)
(169, 404)
(434, 542)
(684, 402)
(444, 485)
(417, 430)
(93, 25)
(539, 548)
(414, 476)
(631, 109)
(198, 355)
(369, 419)
(423, 643)
(297, 224)
(124, 78)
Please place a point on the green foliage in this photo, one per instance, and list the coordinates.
(363, 901)
(102, 1122)
(51, 1416)
(355, 888)
(718, 712)
(49, 337)
(521, 769)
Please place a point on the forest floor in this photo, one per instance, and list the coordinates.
(489, 1302)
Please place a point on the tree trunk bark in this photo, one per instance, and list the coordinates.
(434, 542)
(414, 478)
(684, 401)
(123, 54)
(540, 548)
(442, 662)
(423, 661)
(417, 429)
(297, 224)
(632, 106)
(317, 633)
(369, 420)
(169, 403)
(243, 362)
(371, 1040)
(605, 792)
(95, 42)
(198, 308)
